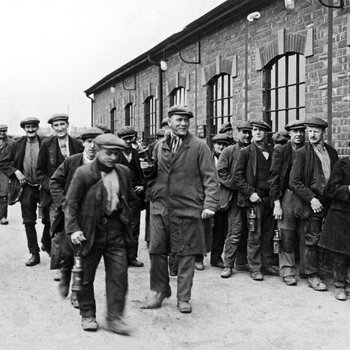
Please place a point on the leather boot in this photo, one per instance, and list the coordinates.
(33, 260)
(63, 285)
(155, 302)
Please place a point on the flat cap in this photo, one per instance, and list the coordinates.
(58, 116)
(3, 127)
(225, 128)
(127, 131)
(179, 110)
(296, 124)
(261, 124)
(280, 137)
(29, 120)
(224, 138)
(244, 125)
(109, 141)
(316, 123)
(160, 133)
(90, 133)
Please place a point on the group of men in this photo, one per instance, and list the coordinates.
(229, 200)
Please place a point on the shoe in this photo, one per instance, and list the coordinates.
(339, 293)
(45, 249)
(271, 271)
(244, 267)
(135, 263)
(184, 307)
(74, 300)
(4, 221)
(315, 283)
(198, 265)
(33, 260)
(119, 326)
(227, 273)
(290, 280)
(219, 264)
(89, 323)
(155, 302)
(56, 275)
(257, 276)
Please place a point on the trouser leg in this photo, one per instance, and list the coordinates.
(302, 246)
(340, 269)
(56, 250)
(3, 206)
(159, 275)
(185, 277)
(254, 242)
(173, 263)
(147, 222)
(135, 229)
(32, 241)
(286, 255)
(267, 222)
(218, 238)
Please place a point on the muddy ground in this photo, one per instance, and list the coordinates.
(235, 313)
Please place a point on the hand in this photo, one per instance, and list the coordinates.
(21, 178)
(254, 198)
(138, 189)
(316, 205)
(77, 237)
(277, 210)
(207, 213)
(144, 165)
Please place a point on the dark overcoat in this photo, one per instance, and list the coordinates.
(244, 173)
(86, 200)
(6, 169)
(335, 234)
(184, 185)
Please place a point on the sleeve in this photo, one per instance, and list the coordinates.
(225, 168)
(337, 188)
(275, 174)
(41, 167)
(6, 159)
(57, 184)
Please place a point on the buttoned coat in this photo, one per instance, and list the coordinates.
(335, 233)
(85, 203)
(49, 159)
(184, 185)
(244, 173)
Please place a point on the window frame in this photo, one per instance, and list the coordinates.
(150, 115)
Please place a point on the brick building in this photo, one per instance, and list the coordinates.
(246, 59)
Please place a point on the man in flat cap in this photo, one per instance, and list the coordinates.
(235, 248)
(286, 204)
(53, 151)
(130, 158)
(26, 151)
(309, 176)
(59, 184)
(6, 154)
(250, 175)
(97, 219)
(228, 130)
(184, 193)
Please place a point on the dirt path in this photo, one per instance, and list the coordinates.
(236, 313)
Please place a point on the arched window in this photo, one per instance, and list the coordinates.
(178, 97)
(112, 119)
(129, 115)
(150, 120)
(285, 90)
(219, 102)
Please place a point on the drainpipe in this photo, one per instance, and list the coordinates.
(92, 110)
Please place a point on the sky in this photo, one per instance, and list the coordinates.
(53, 50)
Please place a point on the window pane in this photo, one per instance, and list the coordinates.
(273, 120)
(302, 114)
(281, 98)
(292, 115)
(282, 71)
(273, 100)
(292, 68)
(281, 120)
(301, 68)
(273, 76)
(292, 96)
(302, 95)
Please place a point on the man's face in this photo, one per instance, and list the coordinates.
(89, 148)
(129, 140)
(179, 124)
(219, 147)
(315, 135)
(31, 130)
(244, 136)
(297, 136)
(3, 134)
(60, 127)
(258, 134)
(107, 157)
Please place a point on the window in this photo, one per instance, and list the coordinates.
(112, 119)
(129, 115)
(219, 103)
(150, 120)
(285, 91)
(178, 97)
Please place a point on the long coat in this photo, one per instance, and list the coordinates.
(86, 200)
(244, 174)
(335, 234)
(49, 158)
(184, 185)
(6, 169)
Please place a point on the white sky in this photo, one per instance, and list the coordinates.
(53, 50)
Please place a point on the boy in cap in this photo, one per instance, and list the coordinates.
(53, 151)
(309, 176)
(97, 219)
(6, 149)
(59, 184)
(26, 151)
(250, 175)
